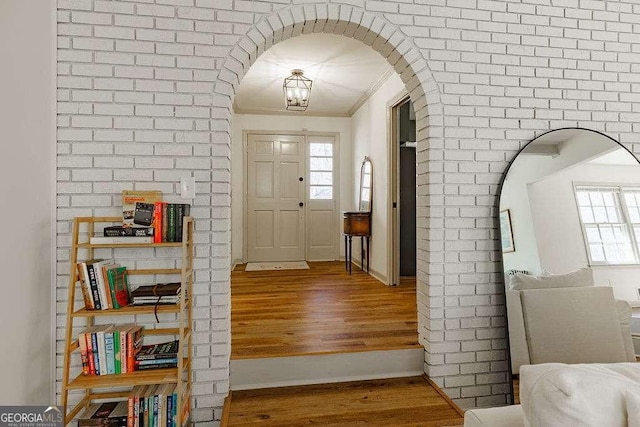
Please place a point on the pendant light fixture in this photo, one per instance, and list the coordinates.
(297, 90)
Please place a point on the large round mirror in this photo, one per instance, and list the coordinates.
(570, 201)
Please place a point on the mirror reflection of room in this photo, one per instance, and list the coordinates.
(570, 216)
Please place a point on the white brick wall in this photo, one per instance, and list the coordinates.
(145, 91)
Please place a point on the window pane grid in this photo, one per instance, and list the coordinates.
(609, 234)
(320, 171)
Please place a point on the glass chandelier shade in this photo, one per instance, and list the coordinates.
(297, 90)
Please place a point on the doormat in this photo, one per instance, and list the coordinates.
(289, 265)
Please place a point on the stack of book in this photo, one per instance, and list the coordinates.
(157, 356)
(168, 293)
(153, 405)
(104, 284)
(110, 349)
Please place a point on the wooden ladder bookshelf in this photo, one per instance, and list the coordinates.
(94, 385)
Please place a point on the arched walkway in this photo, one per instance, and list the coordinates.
(408, 62)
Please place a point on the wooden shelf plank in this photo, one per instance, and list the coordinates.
(155, 271)
(151, 376)
(166, 331)
(129, 245)
(130, 310)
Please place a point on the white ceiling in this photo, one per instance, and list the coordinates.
(345, 72)
(618, 157)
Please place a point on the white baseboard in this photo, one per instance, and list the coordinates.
(248, 374)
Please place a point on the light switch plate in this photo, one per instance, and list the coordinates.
(188, 187)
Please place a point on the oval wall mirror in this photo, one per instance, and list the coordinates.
(570, 200)
(366, 185)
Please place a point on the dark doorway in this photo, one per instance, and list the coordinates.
(407, 196)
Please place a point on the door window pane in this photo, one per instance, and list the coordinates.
(320, 171)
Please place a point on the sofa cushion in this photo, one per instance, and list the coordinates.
(578, 278)
(586, 395)
(572, 325)
(503, 416)
(633, 409)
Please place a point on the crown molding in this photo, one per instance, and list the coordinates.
(373, 89)
(237, 110)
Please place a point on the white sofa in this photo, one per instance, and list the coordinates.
(587, 331)
(563, 395)
(583, 312)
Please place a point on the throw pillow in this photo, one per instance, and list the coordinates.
(579, 278)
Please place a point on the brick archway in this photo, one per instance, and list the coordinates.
(407, 60)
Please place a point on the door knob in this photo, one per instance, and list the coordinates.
(301, 179)
(301, 204)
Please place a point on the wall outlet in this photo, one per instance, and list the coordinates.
(188, 187)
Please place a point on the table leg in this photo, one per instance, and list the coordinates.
(368, 247)
(346, 254)
(350, 252)
(362, 253)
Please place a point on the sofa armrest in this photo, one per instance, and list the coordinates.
(503, 416)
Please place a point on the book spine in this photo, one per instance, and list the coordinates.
(128, 231)
(157, 222)
(179, 218)
(116, 352)
(130, 410)
(136, 410)
(102, 290)
(160, 420)
(92, 367)
(130, 367)
(156, 402)
(165, 221)
(186, 211)
(96, 355)
(109, 347)
(84, 287)
(102, 353)
(173, 359)
(123, 352)
(111, 278)
(147, 357)
(82, 343)
(105, 284)
(169, 409)
(84, 275)
(94, 287)
(134, 343)
(149, 408)
(171, 233)
(160, 366)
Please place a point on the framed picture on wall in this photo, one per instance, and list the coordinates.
(506, 233)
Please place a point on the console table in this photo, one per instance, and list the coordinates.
(357, 224)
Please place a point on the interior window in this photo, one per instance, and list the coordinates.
(610, 219)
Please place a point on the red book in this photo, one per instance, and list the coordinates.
(82, 343)
(89, 345)
(134, 342)
(157, 222)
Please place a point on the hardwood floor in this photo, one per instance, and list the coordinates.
(391, 402)
(319, 310)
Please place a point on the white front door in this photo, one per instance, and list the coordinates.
(275, 198)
